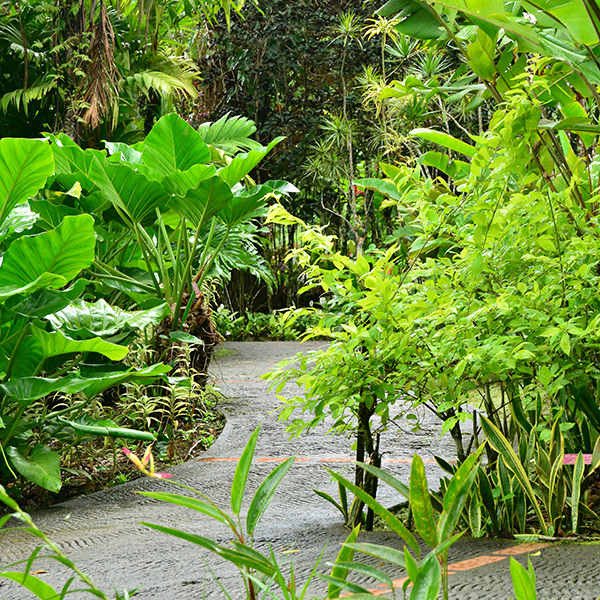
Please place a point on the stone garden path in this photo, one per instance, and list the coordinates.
(102, 534)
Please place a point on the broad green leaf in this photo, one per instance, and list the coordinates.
(242, 164)
(385, 515)
(242, 205)
(41, 345)
(264, 494)
(89, 426)
(24, 167)
(391, 555)
(40, 589)
(578, 471)
(191, 503)
(28, 389)
(203, 202)
(523, 586)
(42, 467)
(415, 18)
(179, 183)
(241, 473)
(421, 504)
(383, 186)
(429, 580)
(126, 152)
(282, 187)
(511, 460)
(346, 553)
(174, 145)
(52, 258)
(101, 319)
(457, 495)
(443, 139)
(128, 190)
(51, 215)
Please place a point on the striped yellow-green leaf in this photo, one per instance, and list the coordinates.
(421, 504)
(503, 447)
(345, 554)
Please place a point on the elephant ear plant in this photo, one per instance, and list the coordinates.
(42, 342)
(168, 206)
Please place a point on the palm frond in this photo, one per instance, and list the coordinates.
(229, 134)
(23, 97)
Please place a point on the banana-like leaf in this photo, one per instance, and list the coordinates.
(511, 460)
(101, 319)
(421, 504)
(174, 145)
(49, 259)
(203, 202)
(128, 190)
(242, 470)
(42, 466)
(24, 167)
(446, 140)
(415, 19)
(242, 164)
(346, 553)
(244, 204)
(383, 186)
(264, 494)
(229, 134)
(107, 428)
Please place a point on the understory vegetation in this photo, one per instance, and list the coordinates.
(419, 185)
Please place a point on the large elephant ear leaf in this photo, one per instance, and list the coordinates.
(242, 164)
(204, 201)
(243, 205)
(42, 467)
(128, 190)
(24, 167)
(173, 145)
(49, 259)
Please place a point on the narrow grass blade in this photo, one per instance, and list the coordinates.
(391, 555)
(386, 477)
(386, 516)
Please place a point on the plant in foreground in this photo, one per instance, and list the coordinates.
(39, 588)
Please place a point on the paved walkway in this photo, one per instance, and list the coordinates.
(102, 535)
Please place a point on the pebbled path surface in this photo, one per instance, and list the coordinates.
(102, 534)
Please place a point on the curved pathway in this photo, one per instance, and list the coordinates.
(102, 534)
